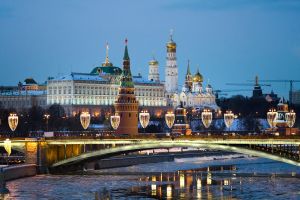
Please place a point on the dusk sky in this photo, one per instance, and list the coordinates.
(231, 40)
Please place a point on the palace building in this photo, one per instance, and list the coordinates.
(97, 91)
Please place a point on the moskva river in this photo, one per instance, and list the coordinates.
(218, 177)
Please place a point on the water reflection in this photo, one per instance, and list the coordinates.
(226, 182)
(186, 184)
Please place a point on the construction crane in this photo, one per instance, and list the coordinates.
(226, 91)
(291, 82)
(249, 84)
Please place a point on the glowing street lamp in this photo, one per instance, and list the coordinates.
(13, 121)
(206, 117)
(144, 117)
(7, 146)
(290, 118)
(47, 116)
(228, 119)
(170, 118)
(85, 119)
(115, 121)
(271, 116)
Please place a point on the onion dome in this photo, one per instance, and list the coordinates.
(198, 78)
(153, 62)
(171, 45)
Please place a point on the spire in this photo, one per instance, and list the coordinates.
(171, 34)
(126, 78)
(256, 80)
(106, 63)
(126, 55)
(188, 69)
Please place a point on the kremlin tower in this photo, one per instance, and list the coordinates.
(126, 105)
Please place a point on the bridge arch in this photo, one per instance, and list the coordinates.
(157, 145)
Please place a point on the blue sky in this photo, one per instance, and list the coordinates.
(231, 40)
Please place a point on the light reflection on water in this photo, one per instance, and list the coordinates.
(182, 179)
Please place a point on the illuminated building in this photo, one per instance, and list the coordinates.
(181, 125)
(23, 96)
(192, 94)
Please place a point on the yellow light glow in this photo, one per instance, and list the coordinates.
(181, 180)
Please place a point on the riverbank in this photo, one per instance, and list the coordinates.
(19, 171)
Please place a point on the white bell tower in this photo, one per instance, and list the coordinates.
(171, 73)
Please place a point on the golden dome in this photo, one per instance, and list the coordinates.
(153, 62)
(198, 77)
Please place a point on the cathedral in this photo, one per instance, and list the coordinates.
(192, 93)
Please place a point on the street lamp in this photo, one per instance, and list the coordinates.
(13, 121)
(206, 117)
(290, 118)
(271, 116)
(228, 118)
(115, 121)
(47, 116)
(144, 117)
(7, 147)
(85, 119)
(170, 118)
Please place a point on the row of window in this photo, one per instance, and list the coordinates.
(101, 91)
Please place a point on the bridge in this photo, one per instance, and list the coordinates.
(72, 153)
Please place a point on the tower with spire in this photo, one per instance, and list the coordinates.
(188, 79)
(153, 71)
(171, 71)
(126, 105)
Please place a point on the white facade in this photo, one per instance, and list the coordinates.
(22, 100)
(153, 71)
(199, 99)
(88, 89)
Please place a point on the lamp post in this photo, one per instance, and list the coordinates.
(13, 121)
(290, 118)
(229, 118)
(47, 116)
(271, 116)
(85, 119)
(206, 117)
(144, 117)
(170, 118)
(115, 121)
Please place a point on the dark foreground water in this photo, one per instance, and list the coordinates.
(230, 177)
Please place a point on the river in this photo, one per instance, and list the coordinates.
(218, 177)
